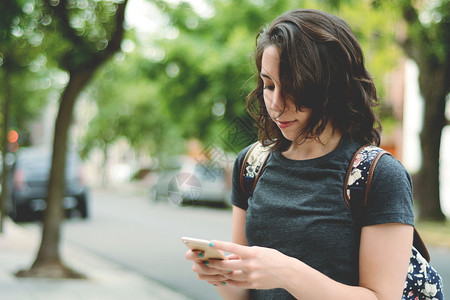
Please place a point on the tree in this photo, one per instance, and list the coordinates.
(6, 103)
(89, 33)
(427, 42)
(25, 79)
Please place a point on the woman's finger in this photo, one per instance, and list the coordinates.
(212, 278)
(233, 248)
(237, 275)
(195, 255)
(233, 256)
(204, 267)
(227, 265)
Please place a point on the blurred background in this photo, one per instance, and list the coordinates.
(129, 114)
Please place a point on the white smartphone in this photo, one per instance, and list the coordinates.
(203, 245)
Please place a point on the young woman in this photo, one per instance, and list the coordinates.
(295, 236)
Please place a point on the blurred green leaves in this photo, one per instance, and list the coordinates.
(195, 83)
(208, 69)
(128, 107)
(25, 70)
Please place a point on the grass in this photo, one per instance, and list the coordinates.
(435, 233)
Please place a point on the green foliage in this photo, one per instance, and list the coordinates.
(9, 11)
(198, 88)
(205, 74)
(428, 27)
(37, 37)
(129, 107)
(23, 61)
(79, 31)
(210, 64)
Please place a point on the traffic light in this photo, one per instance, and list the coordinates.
(13, 141)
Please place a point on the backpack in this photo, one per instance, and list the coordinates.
(423, 282)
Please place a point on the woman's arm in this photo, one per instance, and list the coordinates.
(238, 226)
(385, 249)
(238, 237)
(384, 254)
(217, 276)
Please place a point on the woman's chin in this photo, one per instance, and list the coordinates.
(289, 137)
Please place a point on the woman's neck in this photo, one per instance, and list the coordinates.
(314, 148)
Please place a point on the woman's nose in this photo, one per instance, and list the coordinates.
(277, 104)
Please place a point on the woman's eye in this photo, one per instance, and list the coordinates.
(269, 87)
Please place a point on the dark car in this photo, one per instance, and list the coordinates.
(30, 178)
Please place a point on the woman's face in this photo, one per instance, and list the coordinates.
(282, 111)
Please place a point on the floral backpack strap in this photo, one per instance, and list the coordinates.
(422, 280)
(358, 178)
(254, 162)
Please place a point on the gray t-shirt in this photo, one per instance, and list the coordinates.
(298, 208)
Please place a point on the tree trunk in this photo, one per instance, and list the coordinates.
(105, 178)
(433, 81)
(4, 149)
(48, 262)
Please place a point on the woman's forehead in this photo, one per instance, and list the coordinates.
(270, 62)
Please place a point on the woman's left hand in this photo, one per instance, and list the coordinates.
(252, 267)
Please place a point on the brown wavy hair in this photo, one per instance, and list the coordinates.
(321, 68)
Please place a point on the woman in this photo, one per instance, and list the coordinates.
(295, 236)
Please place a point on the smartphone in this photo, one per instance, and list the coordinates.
(203, 245)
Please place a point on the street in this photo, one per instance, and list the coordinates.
(127, 228)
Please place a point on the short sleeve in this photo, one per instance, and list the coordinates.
(238, 197)
(390, 196)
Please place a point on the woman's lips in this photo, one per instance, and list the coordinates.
(284, 124)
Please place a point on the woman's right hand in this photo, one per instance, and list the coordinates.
(204, 271)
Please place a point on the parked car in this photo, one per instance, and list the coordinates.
(185, 180)
(30, 179)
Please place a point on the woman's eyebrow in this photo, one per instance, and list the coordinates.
(265, 75)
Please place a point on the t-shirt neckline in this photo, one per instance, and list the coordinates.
(283, 159)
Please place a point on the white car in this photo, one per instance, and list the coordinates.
(186, 180)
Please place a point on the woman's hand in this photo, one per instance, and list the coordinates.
(204, 270)
(248, 267)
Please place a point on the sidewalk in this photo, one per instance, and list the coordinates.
(106, 280)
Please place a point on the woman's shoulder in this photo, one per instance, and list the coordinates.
(255, 148)
(388, 163)
(387, 166)
(390, 194)
(390, 172)
(242, 155)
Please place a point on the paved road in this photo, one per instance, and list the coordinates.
(127, 228)
(145, 236)
(440, 260)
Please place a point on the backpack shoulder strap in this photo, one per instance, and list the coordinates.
(254, 162)
(357, 185)
(359, 174)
